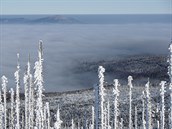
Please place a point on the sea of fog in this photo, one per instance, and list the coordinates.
(65, 45)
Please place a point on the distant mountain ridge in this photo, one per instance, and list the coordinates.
(49, 19)
(85, 19)
(56, 19)
(13, 20)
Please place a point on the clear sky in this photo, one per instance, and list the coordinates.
(84, 6)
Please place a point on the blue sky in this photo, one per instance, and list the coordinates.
(84, 6)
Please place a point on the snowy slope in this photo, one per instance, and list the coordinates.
(75, 104)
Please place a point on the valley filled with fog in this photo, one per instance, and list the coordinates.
(68, 45)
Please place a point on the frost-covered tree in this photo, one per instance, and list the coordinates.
(4, 89)
(105, 118)
(92, 119)
(26, 87)
(135, 117)
(115, 103)
(1, 111)
(72, 124)
(79, 126)
(31, 101)
(47, 116)
(12, 109)
(170, 76)
(148, 106)
(22, 121)
(29, 97)
(143, 110)
(121, 123)
(130, 78)
(58, 122)
(99, 99)
(17, 107)
(157, 124)
(162, 92)
(108, 115)
(39, 87)
(101, 71)
(85, 122)
(157, 112)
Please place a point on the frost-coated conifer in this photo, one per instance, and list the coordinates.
(148, 106)
(79, 126)
(121, 124)
(4, 89)
(44, 116)
(31, 102)
(162, 92)
(12, 109)
(29, 97)
(39, 86)
(97, 105)
(116, 94)
(105, 117)
(101, 71)
(85, 122)
(58, 122)
(22, 121)
(17, 107)
(47, 115)
(108, 115)
(130, 78)
(143, 110)
(170, 76)
(1, 111)
(99, 99)
(135, 117)
(72, 124)
(26, 87)
(92, 122)
(157, 124)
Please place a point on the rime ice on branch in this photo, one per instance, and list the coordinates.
(162, 92)
(99, 99)
(92, 117)
(170, 76)
(17, 78)
(4, 89)
(143, 110)
(29, 96)
(135, 117)
(58, 122)
(72, 124)
(12, 109)
(39, 87)
(148, 107)
(108, 115)
(130, 78)
(26, 80)
(116, 110)
(1, 111)
(47, 115)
